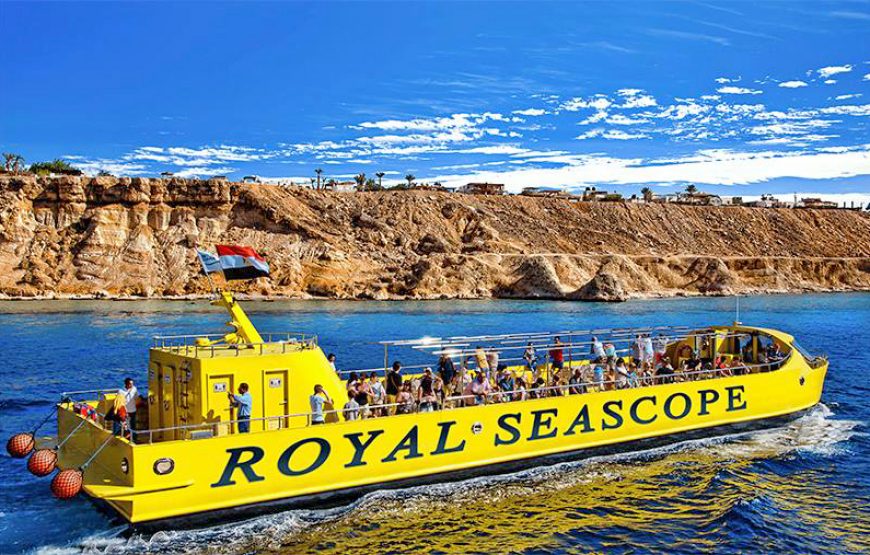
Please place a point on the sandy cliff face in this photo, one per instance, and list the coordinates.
(123, 236)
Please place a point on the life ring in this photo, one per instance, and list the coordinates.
(684, 352)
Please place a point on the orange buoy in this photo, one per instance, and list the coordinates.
(20, 445)
(42, 462)
(67, 483)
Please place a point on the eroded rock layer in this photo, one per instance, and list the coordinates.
(109, 236)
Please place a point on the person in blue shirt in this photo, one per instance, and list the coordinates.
(317, 400)
(243, 403)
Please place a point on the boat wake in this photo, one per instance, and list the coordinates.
(816, 434)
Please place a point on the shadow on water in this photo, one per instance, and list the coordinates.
(762, 491)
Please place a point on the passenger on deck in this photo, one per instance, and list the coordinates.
(363, 396)
(621, 375)
(447, 372)
(480, 360)
(576, 382)
(738, 368)
(557, 355)
(492, 361)
(521, 392)
(633, 379)
(661, 347)
(721, 368)
(647, 351)
(480, 388)
(243, 403)
(117, 415)
(598, 374)
(378, 394)
(425, 393)
(531, 358)
(351, 408)
(506, 384)
(131, 395)
(557, 388)
(405, 400)
(597, 349)
(316, 402)
(537, 390)
(331, 358)
(636, 349)
(438, 389)
(394, 386)
(665, 373)
(610, 352)
(352, 382)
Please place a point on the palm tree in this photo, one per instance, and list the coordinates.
(647, 194)
(371, 185)
(318, 171)
(410, 178)
(360, 179)
(380, 176)
(13, 162)
(691, 189)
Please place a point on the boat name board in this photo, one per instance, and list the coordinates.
(512, 427)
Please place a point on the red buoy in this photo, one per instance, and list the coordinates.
(20, 445)
(67, 483)
(42, 462)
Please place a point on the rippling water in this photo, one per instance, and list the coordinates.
(803, 488)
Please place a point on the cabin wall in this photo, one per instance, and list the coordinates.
(185, 390)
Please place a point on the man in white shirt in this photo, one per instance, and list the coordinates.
(130, 395)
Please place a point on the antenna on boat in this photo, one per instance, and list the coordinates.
(737, 321)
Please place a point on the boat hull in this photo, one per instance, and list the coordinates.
(317, 466)
(346, 496)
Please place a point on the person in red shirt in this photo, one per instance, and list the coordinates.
(557, 356)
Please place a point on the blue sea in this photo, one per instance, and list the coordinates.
(802, 488)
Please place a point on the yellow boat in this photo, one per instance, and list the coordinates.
(189, 461)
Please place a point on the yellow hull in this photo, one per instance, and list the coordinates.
(313, 462)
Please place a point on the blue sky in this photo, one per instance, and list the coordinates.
(741, 98)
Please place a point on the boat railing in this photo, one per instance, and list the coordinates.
(210, 429)
(212, 344)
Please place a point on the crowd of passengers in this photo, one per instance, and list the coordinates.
(481, 378)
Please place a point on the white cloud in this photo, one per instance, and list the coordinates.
(619, 119)
(867, 77)
(639, 101)
(792, 84)
(598, 102)
(848, 96)
(610, 134)
(707, 168)
(830, 81)
(828, 71)
(594, 118)
(723, 80)
(530, 112)
(848, 110)
(737, 90)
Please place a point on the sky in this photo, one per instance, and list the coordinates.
(739, 98)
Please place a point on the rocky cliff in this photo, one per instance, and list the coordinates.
(110, 236)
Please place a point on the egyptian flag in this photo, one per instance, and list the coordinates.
(241, 262)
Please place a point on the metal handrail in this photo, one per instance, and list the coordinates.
(180, 341)
(644, 381)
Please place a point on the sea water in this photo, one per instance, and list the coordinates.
(801, 488)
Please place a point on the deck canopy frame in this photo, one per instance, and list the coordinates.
(512, 345)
